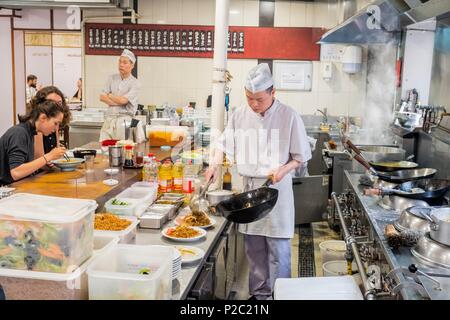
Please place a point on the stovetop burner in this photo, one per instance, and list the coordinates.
(432, 252)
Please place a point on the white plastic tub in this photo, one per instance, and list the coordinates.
(332, 250)
(317, 288)
(138, 199)
(126, 236)
(115, 274)
(34, 285)
(46, 234)
(103, 242)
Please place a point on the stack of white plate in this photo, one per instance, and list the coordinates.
(176, 266)
(176, 269)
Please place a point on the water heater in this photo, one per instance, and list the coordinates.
(352, 59)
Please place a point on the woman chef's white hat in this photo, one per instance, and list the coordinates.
(259, 78)
(130, 55)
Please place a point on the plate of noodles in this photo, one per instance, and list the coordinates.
(184, 233)
(200, 219)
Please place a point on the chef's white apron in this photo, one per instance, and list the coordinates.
(280, 222)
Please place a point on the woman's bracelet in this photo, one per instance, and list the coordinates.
(46, 161)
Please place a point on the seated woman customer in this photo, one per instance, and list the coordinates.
(44, 144)
(17, 143)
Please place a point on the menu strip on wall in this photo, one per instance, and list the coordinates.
(198, 41)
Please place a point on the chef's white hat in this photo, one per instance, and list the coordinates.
(130, 55)
(259, 78)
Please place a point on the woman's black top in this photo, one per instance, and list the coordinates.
(16, 148)
(49, 142)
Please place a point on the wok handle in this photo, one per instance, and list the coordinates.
(351, 145)
(363, 161)
(372, 192)
(268, 182)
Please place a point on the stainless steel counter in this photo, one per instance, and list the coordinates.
(189, 274)
(378, 219)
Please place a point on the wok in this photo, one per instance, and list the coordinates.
(425, 189)
(389, 166)
(249, 206)
(399, 176)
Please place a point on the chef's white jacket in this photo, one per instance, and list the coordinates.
(259, 144)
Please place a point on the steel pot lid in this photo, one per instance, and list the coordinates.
(432, 252)
(412, 219)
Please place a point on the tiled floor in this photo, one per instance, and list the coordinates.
(320, 232)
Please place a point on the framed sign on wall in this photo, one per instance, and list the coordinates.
(292, 75)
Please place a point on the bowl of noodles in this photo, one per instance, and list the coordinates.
(195, 219)
(68, 165)
(183, 233)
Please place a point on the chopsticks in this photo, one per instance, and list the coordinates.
(65, 154)
(66, 157)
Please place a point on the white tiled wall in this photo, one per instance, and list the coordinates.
(181, 80)
(344, 93)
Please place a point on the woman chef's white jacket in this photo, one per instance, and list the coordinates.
(259, 144)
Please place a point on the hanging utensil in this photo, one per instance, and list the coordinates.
(249, 206)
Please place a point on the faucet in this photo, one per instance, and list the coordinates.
(324, 113)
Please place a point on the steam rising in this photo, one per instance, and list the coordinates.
(381, 85)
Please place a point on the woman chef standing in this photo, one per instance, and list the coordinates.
(265, 138)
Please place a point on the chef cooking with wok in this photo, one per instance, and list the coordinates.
(265, 138)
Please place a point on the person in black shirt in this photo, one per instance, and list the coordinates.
(17, 144)
(44, 144)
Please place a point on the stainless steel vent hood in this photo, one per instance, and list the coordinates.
(382, 21)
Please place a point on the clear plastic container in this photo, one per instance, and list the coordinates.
(317, 288)
(125, 210)
(127, 235)
(47, 234)
(116, 275)
(103, 242)
(136, 199)
(33, 285)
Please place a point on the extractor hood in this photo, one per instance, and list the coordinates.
(383, 20)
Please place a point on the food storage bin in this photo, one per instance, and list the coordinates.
(47, 234)
(126, 210)
(152, 188)
(117, 274)
(317, 288)
(127, 235)
(103, 242)
(138, 200)
(35, 285)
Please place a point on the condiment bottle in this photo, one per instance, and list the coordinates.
(129, 156)
(177, 174)
(165, 177)
(226, 180)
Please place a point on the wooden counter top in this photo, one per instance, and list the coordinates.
(85, 184)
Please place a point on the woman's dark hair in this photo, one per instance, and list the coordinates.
(48, 107)
(41, 96)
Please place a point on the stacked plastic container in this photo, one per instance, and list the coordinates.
(137, 199)
(132, 272)
(45, 244)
